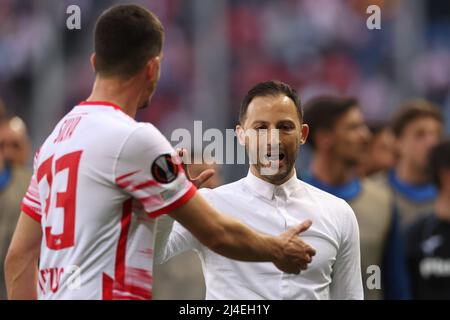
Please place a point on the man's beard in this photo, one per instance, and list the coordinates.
(281, 173)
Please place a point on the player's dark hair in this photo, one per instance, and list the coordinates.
(323, 112)
(411, 111)
(270, 88)
(439, 159)
(126, 37)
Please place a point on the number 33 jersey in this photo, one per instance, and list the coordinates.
(99, 181)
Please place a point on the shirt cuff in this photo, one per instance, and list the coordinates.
(174, 205)
(29, 211)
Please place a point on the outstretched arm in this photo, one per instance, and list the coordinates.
(232, 239)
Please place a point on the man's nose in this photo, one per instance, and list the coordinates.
(273, 137)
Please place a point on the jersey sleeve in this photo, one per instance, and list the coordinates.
(171, 239)
(31, 204)
(148, 169)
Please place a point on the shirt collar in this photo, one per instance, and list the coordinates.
(100, 104)
(415, 193)
(269, 190)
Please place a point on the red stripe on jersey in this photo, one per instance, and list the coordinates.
(32, 200)
(126, 175)
(31, 193)
(151, 201)
(107, 287)
(189, 194)
(108, 283)
(100, 103)
(29, 211)
(124, 185)
(122, 246)
(117, 289)
(149, 183)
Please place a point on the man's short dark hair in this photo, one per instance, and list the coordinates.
(413, 110)
(270, 88)
(323, 112)
(439, 159)
(126, 37)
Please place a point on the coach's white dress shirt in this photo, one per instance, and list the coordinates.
(335, 271)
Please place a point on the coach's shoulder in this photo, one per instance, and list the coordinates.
(321, 196)
(337, 207)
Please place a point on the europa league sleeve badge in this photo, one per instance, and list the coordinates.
(164, 170)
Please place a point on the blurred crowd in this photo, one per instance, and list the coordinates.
(315, 46)
(14, 179)
(380, 156)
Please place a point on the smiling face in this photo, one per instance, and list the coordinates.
(274, 121)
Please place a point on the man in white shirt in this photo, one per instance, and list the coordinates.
(271, 203)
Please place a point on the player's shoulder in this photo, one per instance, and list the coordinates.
(145, 135)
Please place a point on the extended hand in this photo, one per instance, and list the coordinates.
(296, 254)
(201, 178)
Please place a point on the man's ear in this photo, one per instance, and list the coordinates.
(93, 61)
(153, 66)
(240, 132)
(304, 133)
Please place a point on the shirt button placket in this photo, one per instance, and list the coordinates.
(279, 204)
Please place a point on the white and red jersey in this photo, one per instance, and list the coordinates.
(99, 180)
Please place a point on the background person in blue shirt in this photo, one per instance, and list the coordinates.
(339, 138)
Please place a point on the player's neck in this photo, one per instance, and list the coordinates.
(121, 93)
(410, 174)
(442, 205)
(331, 171)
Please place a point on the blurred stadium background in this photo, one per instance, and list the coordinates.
(216, 50)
